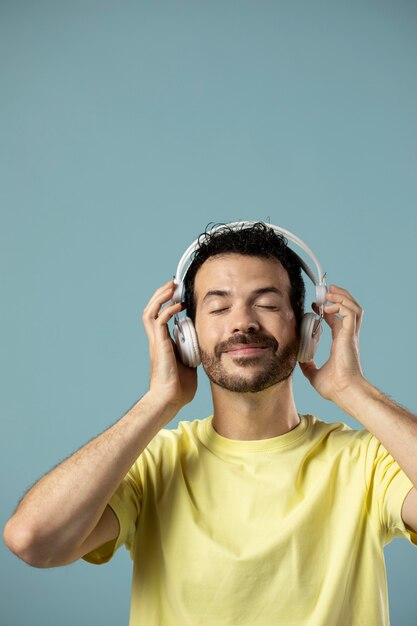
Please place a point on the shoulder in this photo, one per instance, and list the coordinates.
(340, 435)
(165, 454)
(183, 435)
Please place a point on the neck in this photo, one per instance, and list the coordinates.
(250, 416)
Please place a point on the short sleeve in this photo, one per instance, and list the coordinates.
(126, 503)
(387, 487)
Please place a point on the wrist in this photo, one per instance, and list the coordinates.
(165, 409)
(354, 397)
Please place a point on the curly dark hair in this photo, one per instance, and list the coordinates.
(257, 240)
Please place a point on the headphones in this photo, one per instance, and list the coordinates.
(185, 335)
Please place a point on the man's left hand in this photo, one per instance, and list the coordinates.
(342, 371)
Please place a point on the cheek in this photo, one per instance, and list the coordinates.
(207, 334)
(289, 319)
(201, 331)
(287, 325)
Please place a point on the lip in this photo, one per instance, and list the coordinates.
(246, 349)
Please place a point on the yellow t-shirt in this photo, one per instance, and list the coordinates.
(282, 531)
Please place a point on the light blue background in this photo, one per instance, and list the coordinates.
(126, 127)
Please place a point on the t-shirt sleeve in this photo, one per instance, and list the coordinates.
(126, 503)
(387, 487)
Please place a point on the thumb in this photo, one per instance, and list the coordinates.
(309, 369)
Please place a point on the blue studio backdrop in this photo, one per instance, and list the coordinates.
(126, 127)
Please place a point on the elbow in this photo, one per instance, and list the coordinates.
(20, 542)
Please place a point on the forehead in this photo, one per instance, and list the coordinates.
(238, 272)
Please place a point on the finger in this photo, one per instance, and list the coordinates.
(344, 299)
(161, 295)
(158, 329)
(348, 314)
(332, 320)
(165, 315)
(169, 286)
(349, 303)
(341, 290)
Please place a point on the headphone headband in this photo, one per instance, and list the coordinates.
(321, 289)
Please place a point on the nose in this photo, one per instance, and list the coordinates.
(244, 320)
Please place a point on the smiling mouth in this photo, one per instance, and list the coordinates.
(246, 350)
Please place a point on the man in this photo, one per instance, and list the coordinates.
(256, 515)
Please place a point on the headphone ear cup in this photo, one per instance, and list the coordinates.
(310, 333)
(185, 338)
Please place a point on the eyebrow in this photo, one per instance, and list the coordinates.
(257, 292)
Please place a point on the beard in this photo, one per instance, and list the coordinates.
(268, 369)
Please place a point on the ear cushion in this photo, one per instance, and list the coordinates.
(186, 340)
(308, 341)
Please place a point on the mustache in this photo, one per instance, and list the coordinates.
(265, 341)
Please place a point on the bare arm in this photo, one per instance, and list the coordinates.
(63, 508)
(65, 514)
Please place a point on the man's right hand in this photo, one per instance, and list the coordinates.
(171, 381)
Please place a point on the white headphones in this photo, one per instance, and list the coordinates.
(184, 332)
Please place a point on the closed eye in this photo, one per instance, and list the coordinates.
(219, 310)
(264, 306)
